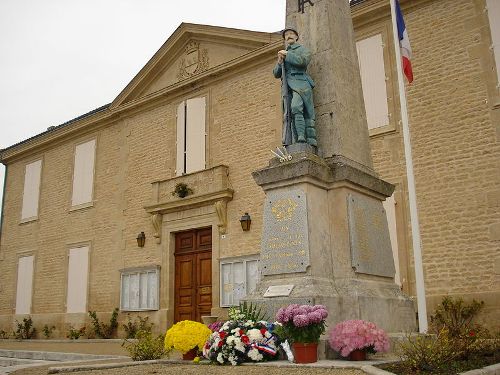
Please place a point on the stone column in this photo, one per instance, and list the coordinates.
(325, 235)
(326, 30)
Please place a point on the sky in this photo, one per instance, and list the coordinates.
(62, 58)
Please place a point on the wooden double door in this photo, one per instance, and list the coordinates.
(193, 274)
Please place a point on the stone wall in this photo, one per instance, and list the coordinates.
(132, 153)
(456, 153)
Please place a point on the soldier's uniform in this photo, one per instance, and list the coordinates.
(300, 85)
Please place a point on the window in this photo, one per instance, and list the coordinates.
(190, 136)
(31, 192)
(238, 277)
(139, 289)
(493, 7)
(373, 80)
(24, 284)
(78, 267)
(83, 174)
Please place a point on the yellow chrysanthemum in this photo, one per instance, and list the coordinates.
(186, 335)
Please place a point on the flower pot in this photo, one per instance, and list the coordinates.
(189, 356)
(305, 352)
(357, 355)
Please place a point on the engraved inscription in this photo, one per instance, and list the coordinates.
(371, 251)
(285, 244)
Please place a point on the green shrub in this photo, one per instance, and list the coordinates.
(25, 330)
(75, 334)
(139, 324)
(458, 344)
(456, 317)
(247, 311)
(102, 330)
(4, 334)
(47, 331)
(146, 347)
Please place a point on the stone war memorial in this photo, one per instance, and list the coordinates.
(325, 235)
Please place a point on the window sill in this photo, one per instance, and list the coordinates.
(82, 206)
(381, 130)
(28, 220)
(138, 310)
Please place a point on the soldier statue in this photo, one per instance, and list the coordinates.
(297, 85)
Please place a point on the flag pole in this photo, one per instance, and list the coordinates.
(415, 228)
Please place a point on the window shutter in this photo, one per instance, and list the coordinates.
(78, 267)
(181, 116)
(31, 192)
(494, 17)
(371, 66)
(153, 290)
(252, 275)
(390, 211)
(24, 285)
(227, 284)
(195, 135)
(83, 174)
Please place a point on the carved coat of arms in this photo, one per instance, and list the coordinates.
(194, 61)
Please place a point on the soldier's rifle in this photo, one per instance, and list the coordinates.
(287, 138)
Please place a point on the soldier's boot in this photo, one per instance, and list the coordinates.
(300, 127)
(311, 133)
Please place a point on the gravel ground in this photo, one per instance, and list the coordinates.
(175, 369)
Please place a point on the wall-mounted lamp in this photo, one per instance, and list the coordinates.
(245, 221)
(141, 239)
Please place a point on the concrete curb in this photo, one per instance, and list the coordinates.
(320, 364)
(488, 370)
(54, 356)
(372, 370)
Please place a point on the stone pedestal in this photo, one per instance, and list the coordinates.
(325, 233)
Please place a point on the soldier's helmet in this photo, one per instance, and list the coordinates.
(289, 29)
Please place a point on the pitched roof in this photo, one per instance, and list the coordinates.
(126, 89)
(53, 128)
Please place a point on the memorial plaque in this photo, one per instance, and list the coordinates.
(278, 290)
(371, 251)
(285, 242)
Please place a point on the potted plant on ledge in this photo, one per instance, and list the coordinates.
(303, 325)
(188, 337)
(353, 339)
(181, 190)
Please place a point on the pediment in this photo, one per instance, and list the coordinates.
(191, 50)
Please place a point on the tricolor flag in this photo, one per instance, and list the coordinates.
(404, 44)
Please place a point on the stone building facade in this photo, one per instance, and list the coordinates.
(204, 112)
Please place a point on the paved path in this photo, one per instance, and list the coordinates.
(114, 348)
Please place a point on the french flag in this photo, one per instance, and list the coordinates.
(404, 44)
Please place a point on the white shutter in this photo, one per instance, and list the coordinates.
(31, 191)
(494, 17)
(252, 275)
(390, 211)
(181, 116)
(227, 284)
(78, 267)
(195, 135)
(134, 291)
(125, 292)
(24, 285)
(152, 290)
(83, 174)
(371, 66)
